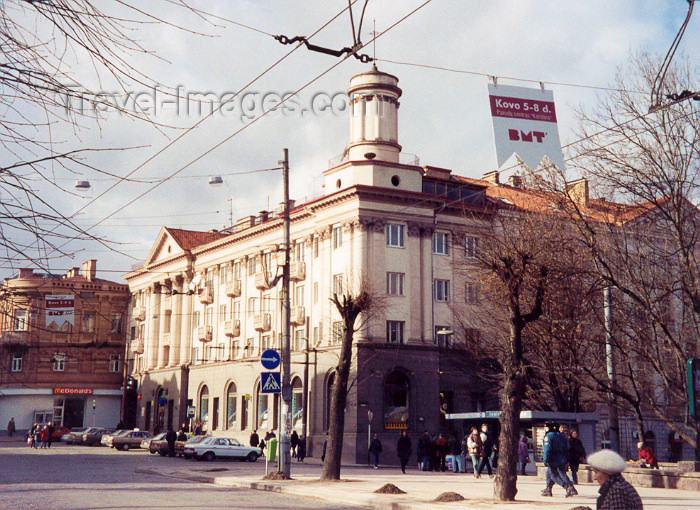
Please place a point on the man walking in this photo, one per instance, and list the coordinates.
(11, 427)
(375, 448)
(556, 451)
(170, 438)
(487, 443)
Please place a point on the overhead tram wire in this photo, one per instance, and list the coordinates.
(198, 123)
(246, 126)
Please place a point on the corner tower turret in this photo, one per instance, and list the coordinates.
(374, 103)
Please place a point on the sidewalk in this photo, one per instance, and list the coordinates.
(359, 483)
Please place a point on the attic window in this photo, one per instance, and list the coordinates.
(338, 184)
(395, 180)
(168, 248)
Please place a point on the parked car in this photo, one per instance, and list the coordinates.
(73, 436)
(212, 447)
(59, 431)
(180, 445)
(128, 440)
(149, 441)
(119, 432)
(93, 436)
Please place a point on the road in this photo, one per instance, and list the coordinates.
(76, 477)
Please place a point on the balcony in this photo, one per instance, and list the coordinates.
(232, 327)
(15, 338)
(261, 280)
(262, 322)
(137, 346)
(233, 288)
(139, 313)
(297, 315)
(206, 295)
(205, 333)
(297, 271)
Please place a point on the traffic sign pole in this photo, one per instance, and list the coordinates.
(285, 415)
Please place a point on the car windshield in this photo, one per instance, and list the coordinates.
(197, 439)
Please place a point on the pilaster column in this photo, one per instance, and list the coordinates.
(152, 309)
(162, 298)
(186, 333)
(176, 323)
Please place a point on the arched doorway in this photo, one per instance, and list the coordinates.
(231, 410)
(266, 411)
(204, 407)
(297, 405)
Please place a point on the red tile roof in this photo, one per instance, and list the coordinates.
(189, 239)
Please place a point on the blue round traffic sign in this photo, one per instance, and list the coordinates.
(270, 359)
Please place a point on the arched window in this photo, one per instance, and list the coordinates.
(266, 413)
(297, 405)
(231, 402)
(204, 405)
(329, 389)
(396, 400)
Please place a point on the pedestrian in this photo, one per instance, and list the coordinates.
(422, 450)
(432, 455)
(37, 435)
(170, 438)
(254, 439)
(488, 446)
(456, 452)
(646, 456)
(476, 450)
(44, 436)
(262, 446)
(375, 448)
(270, 434)
(181, 435)
(198, 428)
(11, 427)
(403, 449)
(523, 453)
(441, 450)
(325, 445)
(556, 455)
(52, 429)
(30, 435)
(577, 454)
(301, 448)
(616, 493)
(293, 443)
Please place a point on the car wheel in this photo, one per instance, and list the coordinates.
(118, 448)
(151, 451)
(209, 456)
(252, 457)
(125, 447)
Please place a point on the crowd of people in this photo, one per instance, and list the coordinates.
(40, 436)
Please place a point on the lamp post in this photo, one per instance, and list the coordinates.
(286, 419)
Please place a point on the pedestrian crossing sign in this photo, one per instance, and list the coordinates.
(270, 382)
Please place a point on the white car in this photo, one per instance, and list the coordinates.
(213, 447)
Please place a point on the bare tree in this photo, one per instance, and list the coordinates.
(649, 157)
(352, 305)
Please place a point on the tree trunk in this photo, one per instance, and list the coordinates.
(336, 422)
(505, 486)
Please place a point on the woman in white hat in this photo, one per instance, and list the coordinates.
(616, 493)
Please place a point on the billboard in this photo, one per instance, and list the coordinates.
(60, 310)
(525, 124)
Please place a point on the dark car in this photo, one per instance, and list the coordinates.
(74, 435)
(130, 440)
(93, 436)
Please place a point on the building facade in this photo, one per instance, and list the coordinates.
(205, 304)
(63, 347)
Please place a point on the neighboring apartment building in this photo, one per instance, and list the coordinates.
(203, 310)
(62, 348)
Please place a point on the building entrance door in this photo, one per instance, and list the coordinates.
(73, 412)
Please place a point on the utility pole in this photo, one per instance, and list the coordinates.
(610, 364)
(285, 418)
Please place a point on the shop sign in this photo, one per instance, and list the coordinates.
(72, 391)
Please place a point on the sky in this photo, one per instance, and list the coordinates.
(574, 48)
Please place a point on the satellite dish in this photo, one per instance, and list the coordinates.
(195, 282)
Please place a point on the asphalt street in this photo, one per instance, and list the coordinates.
(76, 477)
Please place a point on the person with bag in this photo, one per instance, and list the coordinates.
(375, 448)
(476, 450)
(523, 453)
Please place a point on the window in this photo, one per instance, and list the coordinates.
(16, 362)
(316, 243)
(299, 339)
(338, 331)
(116, 326)
(252, 265)
(299, 296)
(237, 270)
(394, 332)
(337, 237)
(231, 400)
(167, 318)
(222, 312)
(114, 363)
(441, 290)
(195, 356)
(394, 235)
(195, 319)
(266, 303)
(266, 342)
(59, 362)
(89, 322)
(236, 310)
(315, 292)
(234, 352)
(299, 249)
(166, 356)
(441, 243)
(209, 316)
(315, 335)
(471, 247)
(471, 295)
(338, 284)
(252, 306)
(20, 321)
(220, 351)
(223, 275)
(204, 404)
(394, 283)
(396, 401)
